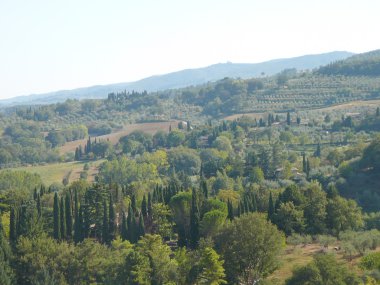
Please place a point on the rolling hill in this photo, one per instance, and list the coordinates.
(184, 78)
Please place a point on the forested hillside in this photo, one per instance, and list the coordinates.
(367, 64)
(170, 190)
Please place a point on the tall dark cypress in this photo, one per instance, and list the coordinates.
(230, 210)
(204, 188)
(111, 217)
(39, 207)
(105, 230)
(304, 166)
(86, 219)
(133, 204)
(69, 216)
(254, 203)
(141, 227)
(144, 207)
(12, 226)
(270, 207)
(124, 228)
(130, 224)
(62, 219)
(150, 208)
(194, 221)
(78, 227)
(56, 221)
(77, 230)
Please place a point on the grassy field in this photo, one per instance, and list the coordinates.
(297, 256)
(150, 128)
(54, 173)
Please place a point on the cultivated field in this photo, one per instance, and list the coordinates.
(54, 173)
(150, 128)
(349, 107)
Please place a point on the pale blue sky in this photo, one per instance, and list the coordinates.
(48, 45)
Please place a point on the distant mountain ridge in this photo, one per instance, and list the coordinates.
(184, 78)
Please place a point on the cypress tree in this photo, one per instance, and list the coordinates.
(133, 230)
(304, 167)
(377, 112)
(69, 216)
(112, 217)
(239, 210)
(141, 227)
(129, 224)
(270, 207)
(133, 204)
(86, 219)
(35, 194)
(6, 273)
(12, 226)
(76, 217)
(124, 229)
(288, 121)
(81, 232)
(105, 230)
(230, 210)
(144, 209)
(254, 203)
(194, 221)
(150, 208)
(242, 207)
(78, 231)
(308, 167)
(56, 214)
(204, 188)
(62, 219)
(318, 151)
(39, 209)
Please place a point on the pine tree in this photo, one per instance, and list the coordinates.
(112, 217)
(144, 209)
(194, 221)
(69, 216)
(62, 219)
(270, 207)
(124, 228)
(230, 210)
(105, 229)
(56, 221)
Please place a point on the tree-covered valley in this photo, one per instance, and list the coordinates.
(268, 180)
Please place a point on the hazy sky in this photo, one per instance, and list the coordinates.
(48, 45)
